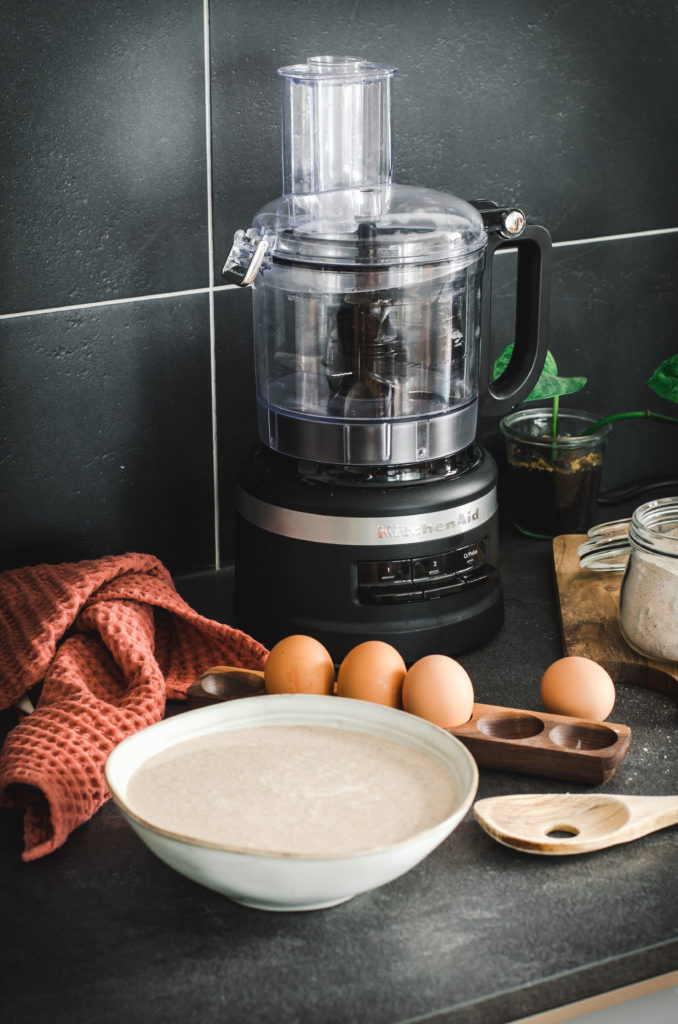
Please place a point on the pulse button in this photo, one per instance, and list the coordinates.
(471, 556)
(472, 564)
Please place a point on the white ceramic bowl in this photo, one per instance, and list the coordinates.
(284, 881)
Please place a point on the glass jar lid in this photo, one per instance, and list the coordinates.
(607, 547)
(653, 526)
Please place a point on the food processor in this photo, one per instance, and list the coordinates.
(369, 511)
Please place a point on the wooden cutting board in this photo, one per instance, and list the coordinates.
(589, 604)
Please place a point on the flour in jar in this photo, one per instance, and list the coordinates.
(292, 789)
(648, 611)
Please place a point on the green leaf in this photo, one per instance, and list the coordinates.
(664, 380)
(549, 385)
(550, 365)
(502, 361)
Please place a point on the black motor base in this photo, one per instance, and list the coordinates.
(435, 592)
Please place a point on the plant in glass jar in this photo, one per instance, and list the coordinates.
(554, 457)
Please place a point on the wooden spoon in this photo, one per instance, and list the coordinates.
(224, 682)
(557, 823)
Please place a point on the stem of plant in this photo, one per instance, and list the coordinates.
(554, 428)
(641, 414)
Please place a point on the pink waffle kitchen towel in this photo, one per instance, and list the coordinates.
(110, 640)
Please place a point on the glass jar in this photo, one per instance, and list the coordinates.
(550, 484)
(648, 605)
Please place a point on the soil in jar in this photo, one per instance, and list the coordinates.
(549, 494)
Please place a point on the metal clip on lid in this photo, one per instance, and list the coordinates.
(245, 258)
(507, 221)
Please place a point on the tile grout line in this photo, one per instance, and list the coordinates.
(213, 289)
(616, 238)
(75, 306)
(601, 238)
(210, 260)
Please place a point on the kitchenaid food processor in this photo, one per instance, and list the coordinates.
(369, 511)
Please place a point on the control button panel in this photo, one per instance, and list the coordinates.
(426, 578)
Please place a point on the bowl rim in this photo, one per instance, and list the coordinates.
(445, 826)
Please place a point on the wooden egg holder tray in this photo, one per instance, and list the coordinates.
(529, 742)
(536, 743)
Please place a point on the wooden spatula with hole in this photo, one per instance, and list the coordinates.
(563, 823)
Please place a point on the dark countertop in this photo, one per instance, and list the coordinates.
(102, 931)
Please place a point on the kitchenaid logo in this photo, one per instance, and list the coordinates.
(397, 530)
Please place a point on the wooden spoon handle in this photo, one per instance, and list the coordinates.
(235, 672)
(650, 813)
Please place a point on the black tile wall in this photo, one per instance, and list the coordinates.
(103, 188)
(235, 402)
(106, 426)
(105, 417)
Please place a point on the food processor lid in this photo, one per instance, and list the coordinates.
(386, 224)
(340, 204)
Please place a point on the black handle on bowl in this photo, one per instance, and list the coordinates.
(533, 292)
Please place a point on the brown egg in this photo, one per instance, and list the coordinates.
(299, 664)
(372, 671)
(578, 687)
(439, 689)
